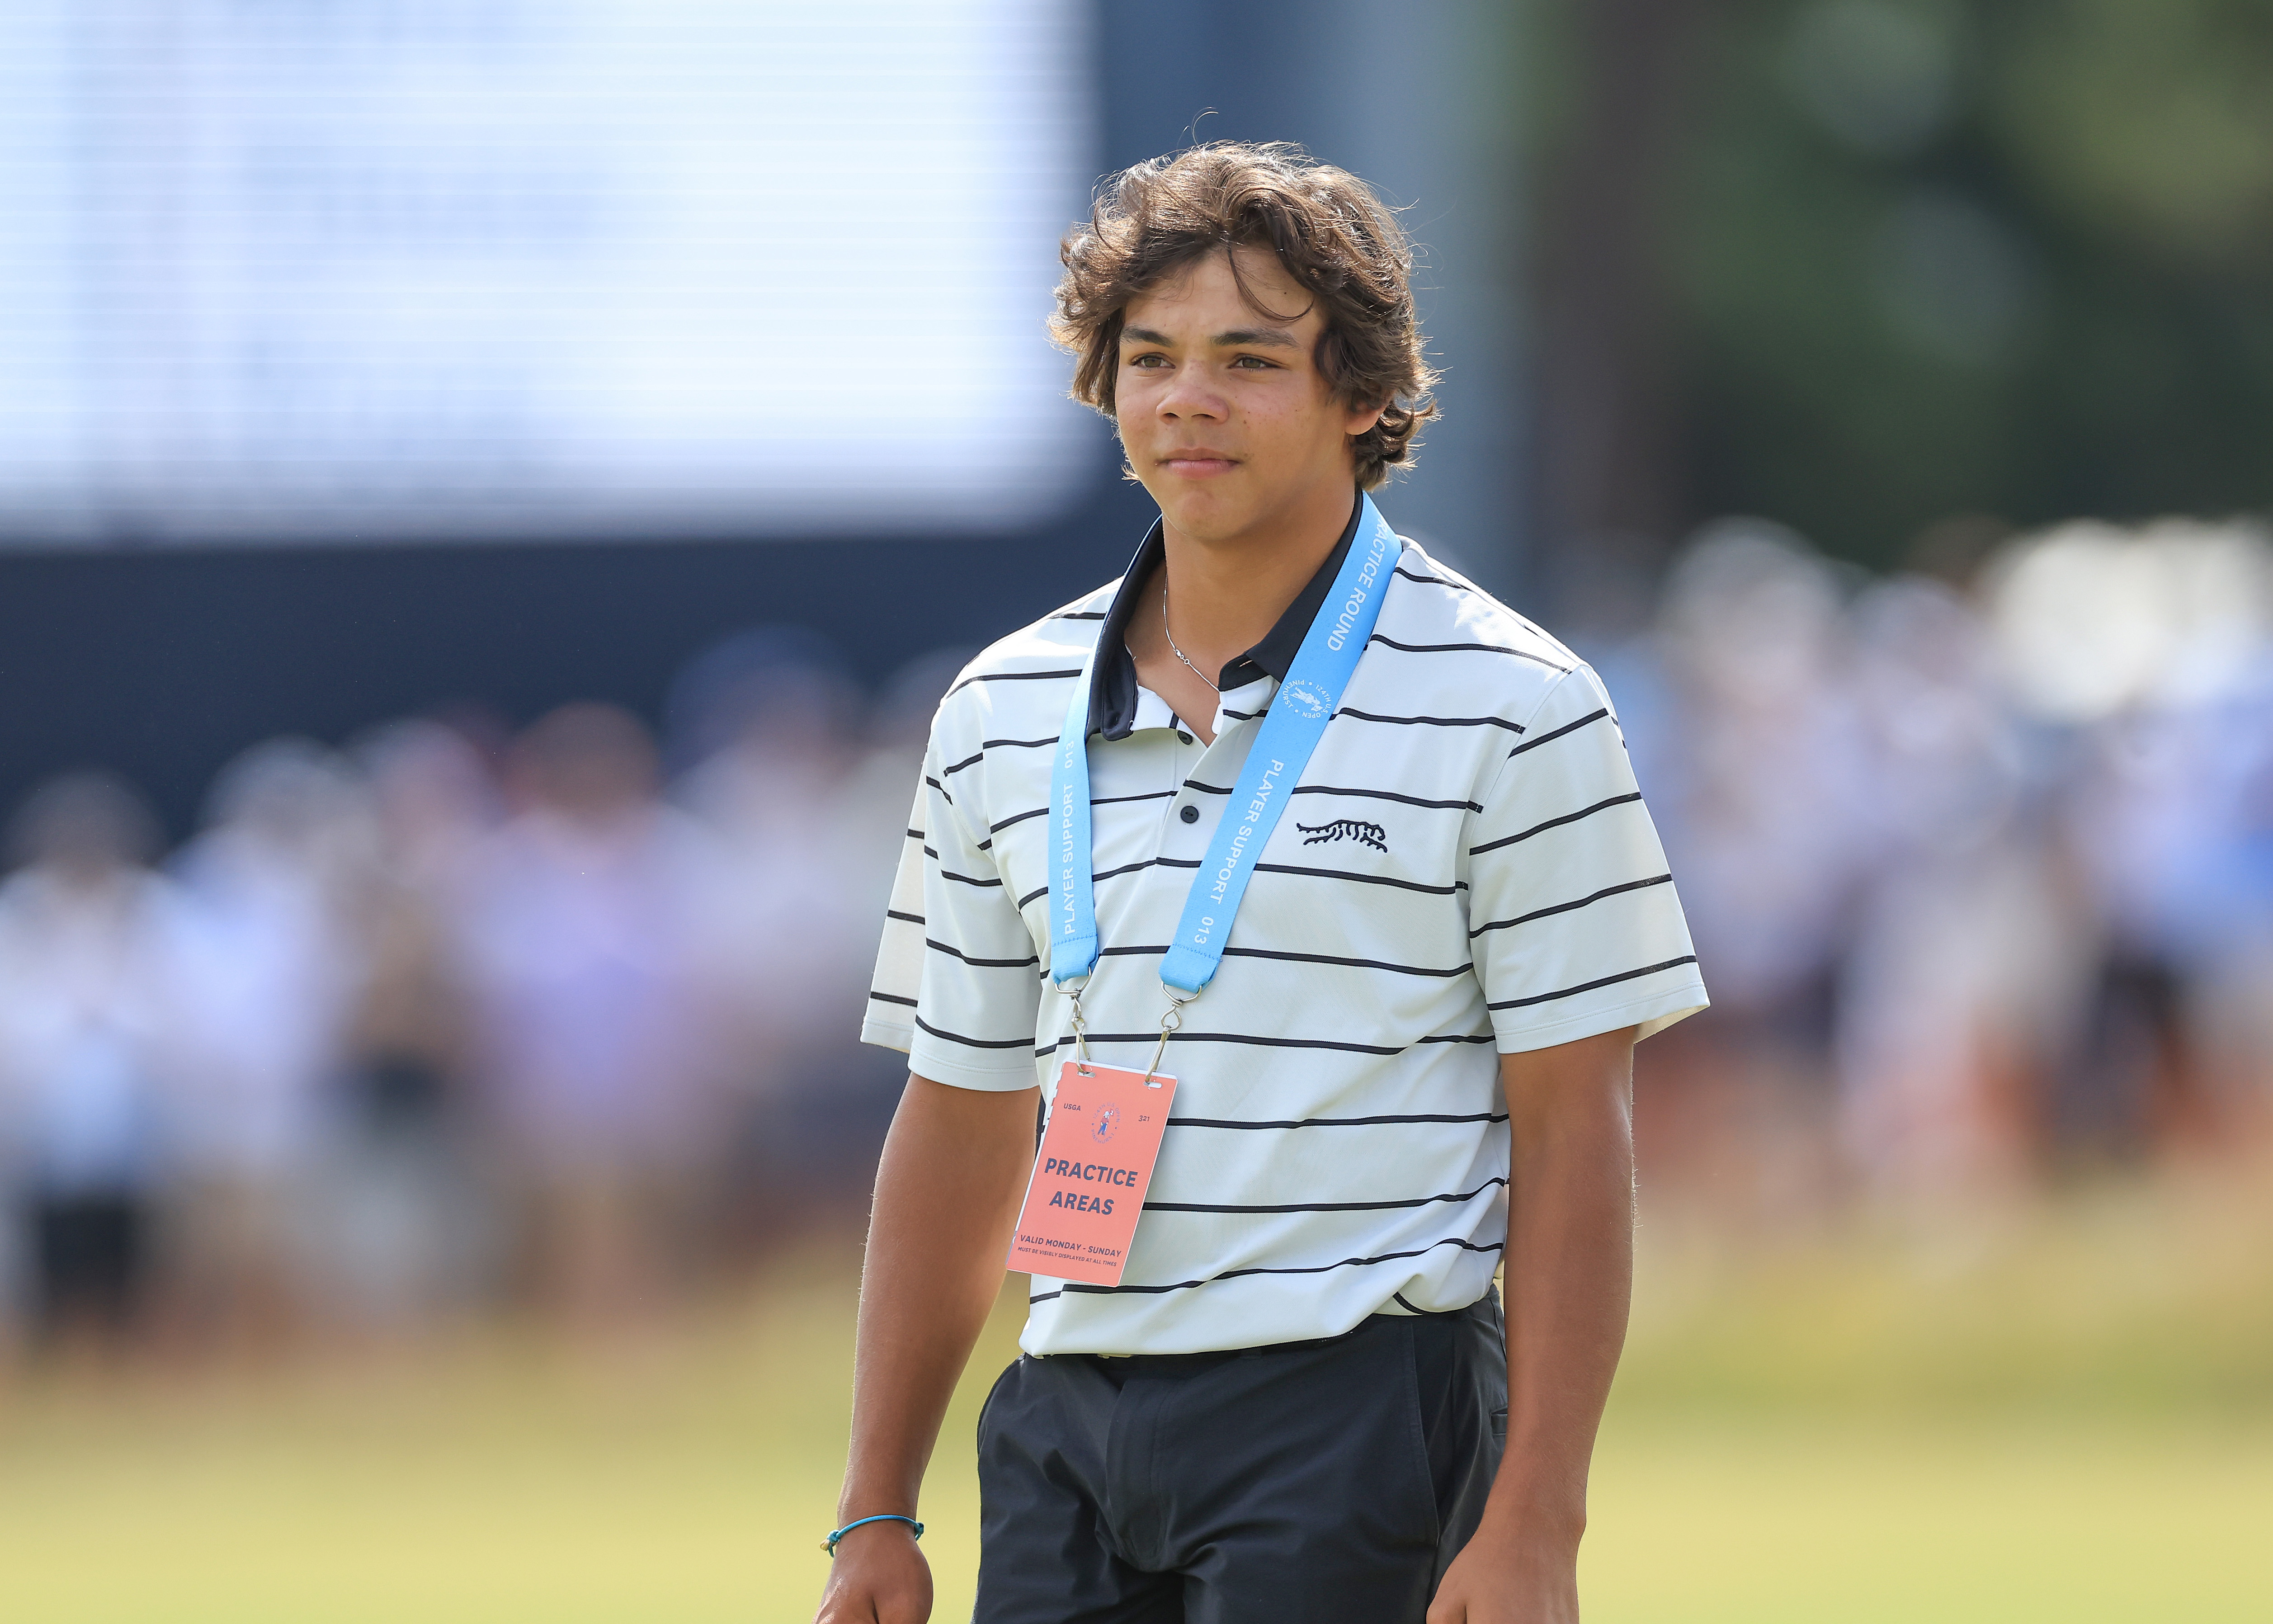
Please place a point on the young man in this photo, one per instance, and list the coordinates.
(1412, 1062)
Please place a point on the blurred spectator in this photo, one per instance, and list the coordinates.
(280, 885)
(408, 1230)
(2150, 652)
(578, 935)
(1967, 963)
(771, 725)
(807, 830)
(91, 953)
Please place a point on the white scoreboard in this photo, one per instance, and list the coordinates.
(366, 270)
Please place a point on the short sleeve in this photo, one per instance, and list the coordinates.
(959, 982)
(1573, 920)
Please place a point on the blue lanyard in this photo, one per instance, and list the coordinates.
(1290, 732)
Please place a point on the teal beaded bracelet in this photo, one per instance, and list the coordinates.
(829, 1544)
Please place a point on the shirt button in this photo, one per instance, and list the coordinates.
(1186, 737)
(1190, 814)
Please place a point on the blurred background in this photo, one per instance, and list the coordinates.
(489, 496)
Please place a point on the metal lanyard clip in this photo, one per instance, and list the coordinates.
(1080, 1028)
(1171, 1021)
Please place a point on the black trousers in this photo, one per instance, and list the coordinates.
(1322, 1482)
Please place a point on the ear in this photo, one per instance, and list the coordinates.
(1361, 419)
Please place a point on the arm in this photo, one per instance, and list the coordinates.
(1570, 1278)
(948, 1188)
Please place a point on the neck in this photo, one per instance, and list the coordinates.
(1226, 594)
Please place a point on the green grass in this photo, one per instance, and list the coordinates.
(2065, 1416)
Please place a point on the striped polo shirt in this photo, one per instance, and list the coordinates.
(1465, 869)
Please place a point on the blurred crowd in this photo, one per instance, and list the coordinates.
(448, 1016)
(1980, 866)
(1979, 858)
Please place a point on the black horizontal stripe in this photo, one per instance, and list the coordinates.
(1113, 874)
(1012, 676)
(1364, 879)
(912, 919)
(1608, 980)
(1315, 1268)
(1426, 580)
(1080, 614)
(1565, 907)
(1340, 1122)
(945, 873)
(1306, 958)
(1567, 727)
(1243, 715)
(1381, 794)
(968, 760)
(929, 851)
(1325, 1206)
(1355, 963)
(1154, 1036)
(1553, 822)
(1016, 744)
(1265, 952)
(1459, 1037)
(1149, 863)
(890, 997)
(1207, 789)
(1114, 800)
(1016, 817)
(956, 1037)
(1465, 648)
(941, 787)
(915, 834)
(1433, 721)
(981, 963)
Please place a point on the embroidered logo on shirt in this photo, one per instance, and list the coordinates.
(1306, 700)
(1345, 828)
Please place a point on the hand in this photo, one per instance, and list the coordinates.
(1508, 1581)
(878, 1576)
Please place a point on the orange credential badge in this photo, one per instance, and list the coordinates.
(1091, 1173)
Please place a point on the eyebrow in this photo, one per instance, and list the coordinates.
(1251, 338)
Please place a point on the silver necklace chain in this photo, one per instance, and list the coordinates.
(1171, 636)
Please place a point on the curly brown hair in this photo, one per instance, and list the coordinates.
(1327, 229)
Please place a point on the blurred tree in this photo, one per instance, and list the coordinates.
(1894, 261)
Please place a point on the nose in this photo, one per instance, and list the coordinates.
(1190, 395)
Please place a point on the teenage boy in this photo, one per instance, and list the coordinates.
(1295, 820)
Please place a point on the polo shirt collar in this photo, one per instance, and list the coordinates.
(1113, 691)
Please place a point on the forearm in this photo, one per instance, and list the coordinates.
(947, 1187)
(1570, 1279)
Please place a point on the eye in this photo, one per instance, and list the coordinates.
(1255, 364)
(1153, 360)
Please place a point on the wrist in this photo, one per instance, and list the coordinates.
(865, 1498)
(1542, 1530)
(874, 1520)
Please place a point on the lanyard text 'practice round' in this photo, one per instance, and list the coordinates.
(1296, 720)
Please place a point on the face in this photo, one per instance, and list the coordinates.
(1222, 411)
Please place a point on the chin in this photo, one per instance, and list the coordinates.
(1205, 514)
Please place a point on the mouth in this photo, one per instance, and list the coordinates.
(1197, 463)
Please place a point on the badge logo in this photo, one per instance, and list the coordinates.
(1306, 700)
(1108, 1123)
(1345, 828)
